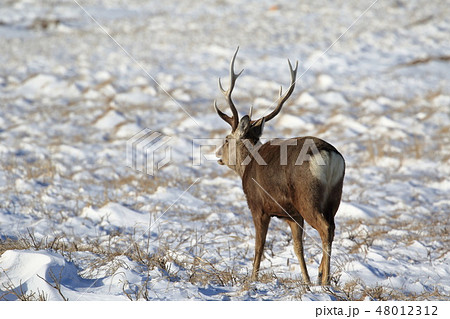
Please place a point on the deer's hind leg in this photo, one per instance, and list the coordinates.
(327, 235)
(326, 231)
(325, 228)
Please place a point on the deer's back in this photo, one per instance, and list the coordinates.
(293, 180)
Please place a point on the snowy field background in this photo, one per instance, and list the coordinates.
(76, 223)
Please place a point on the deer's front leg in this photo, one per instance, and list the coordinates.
(261, 222)
(297, 235)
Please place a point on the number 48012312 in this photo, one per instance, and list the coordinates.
(407, 310)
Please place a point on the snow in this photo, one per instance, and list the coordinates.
(115, 215)
(356, 211)
(110, 119)
(73, 214)
(38, 270)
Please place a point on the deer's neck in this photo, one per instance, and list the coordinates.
(243, 156)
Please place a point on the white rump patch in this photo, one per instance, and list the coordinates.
(328, 167)
(328, 174)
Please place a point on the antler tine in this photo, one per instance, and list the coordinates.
(227, 93)
(285, 97)
(222, 115)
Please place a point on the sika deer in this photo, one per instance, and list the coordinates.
(295, 179)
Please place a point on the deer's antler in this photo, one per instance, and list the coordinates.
(285, 97)
(234, 119)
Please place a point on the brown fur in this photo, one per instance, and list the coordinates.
(289, 191)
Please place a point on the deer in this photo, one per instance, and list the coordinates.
(297, 179)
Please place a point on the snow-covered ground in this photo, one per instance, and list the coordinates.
(77, 223)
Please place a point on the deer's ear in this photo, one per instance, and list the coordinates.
(243, 126)
(258, 127)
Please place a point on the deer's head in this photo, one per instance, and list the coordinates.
(245, 129)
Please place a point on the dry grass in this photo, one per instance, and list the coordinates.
(201, 272)
(21, 294)
(357, 291)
